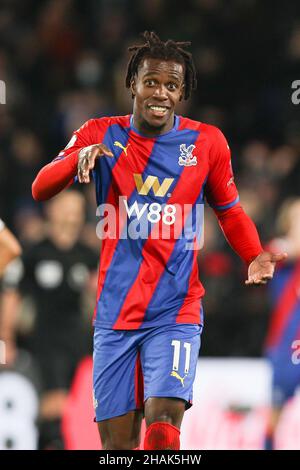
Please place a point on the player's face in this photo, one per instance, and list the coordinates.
(157, 89)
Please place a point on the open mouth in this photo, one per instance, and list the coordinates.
(157, 110)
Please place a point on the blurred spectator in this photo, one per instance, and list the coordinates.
(55, 273)
(283, 338)
(22, 159)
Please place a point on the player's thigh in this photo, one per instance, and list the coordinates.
(116, 374)
(121, 432)
(169, 357)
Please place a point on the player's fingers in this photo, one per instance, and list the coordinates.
(278, 257)
(83, 177)
(92, 158)
(267, 277)
(259, 282)
(83, 162)
(104, 150)
(80, 175)
(255, 282)
(261, 279)
(86, 177)
(87, 158)
(83, 173)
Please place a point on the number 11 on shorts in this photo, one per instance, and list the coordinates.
(176, 357)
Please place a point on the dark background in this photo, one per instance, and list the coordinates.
(64, 61)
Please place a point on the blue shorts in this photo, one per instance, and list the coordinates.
(133, 365)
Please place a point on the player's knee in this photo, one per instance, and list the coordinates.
(163, 417)
(118, 443)
(164, 410)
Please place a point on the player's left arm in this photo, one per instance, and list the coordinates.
(238, 228)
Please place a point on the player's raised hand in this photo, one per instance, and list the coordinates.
(262, 267)
(87, 158)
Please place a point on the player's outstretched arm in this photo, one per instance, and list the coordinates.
(238, 228)
(242, 236)
(76, 159)
(60, 174)
(55, 177)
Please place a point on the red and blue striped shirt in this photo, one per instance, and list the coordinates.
(153, 280)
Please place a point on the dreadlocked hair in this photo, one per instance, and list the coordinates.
(155, 48)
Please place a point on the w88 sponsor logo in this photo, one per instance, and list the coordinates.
(158, 221)
(154, 212)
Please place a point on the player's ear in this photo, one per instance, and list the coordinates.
(133, 88)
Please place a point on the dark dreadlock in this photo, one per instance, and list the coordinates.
(169, 50)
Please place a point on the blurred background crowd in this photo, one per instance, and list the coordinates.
(64, 62)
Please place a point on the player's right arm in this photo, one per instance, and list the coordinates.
(77, 159)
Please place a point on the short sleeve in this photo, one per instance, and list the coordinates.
(2, 225)
(221, 192)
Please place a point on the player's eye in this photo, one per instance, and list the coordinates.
(172, 86)
(149, 82)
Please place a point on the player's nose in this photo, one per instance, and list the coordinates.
(160, 93)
